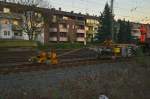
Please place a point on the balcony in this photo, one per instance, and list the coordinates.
(90, 32)
(80, 22)
(148, 35)
(53, 39)
(80, 39)
(81, 31)
(136, 32)
(63, 30)
(11, 15)
(53, 29)
(16, 27)
(63, 39)
(54, 20)
(61, 21)
(92, 24)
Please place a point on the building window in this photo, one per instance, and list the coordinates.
(6, 22)
(62, 34)
(17, 34)
(6, 33)
(80, 34)
(63, 26)
(68, 26)
(53, 34)
(54, 18)
(6, 10)
(65, 18)
(81, 27)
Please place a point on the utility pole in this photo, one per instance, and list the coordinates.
(112, 19)
(112, 6)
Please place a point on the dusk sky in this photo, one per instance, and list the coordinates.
(133, 10)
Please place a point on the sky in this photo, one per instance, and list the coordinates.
(133, 10)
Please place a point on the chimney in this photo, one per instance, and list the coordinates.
(72, 12)
(59, 9)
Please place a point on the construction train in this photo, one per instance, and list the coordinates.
(109, 50)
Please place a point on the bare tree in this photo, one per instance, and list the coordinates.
(33, 20)
(33, 24)
(37, 3)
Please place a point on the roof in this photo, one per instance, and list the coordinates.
(21, 8)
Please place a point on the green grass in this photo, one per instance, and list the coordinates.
(17, 43)
(66, 45)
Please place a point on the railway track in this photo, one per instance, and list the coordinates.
(17, 57)
(44, 67)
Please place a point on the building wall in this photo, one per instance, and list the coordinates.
(147, 26)
(135, 31)
(91, 28)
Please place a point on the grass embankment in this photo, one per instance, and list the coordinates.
(17, 43)
(68, 46)
(38, 45)
(61, 46)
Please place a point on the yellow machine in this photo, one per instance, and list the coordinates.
(110, 49)
(45, 57)
(53, 57)
(42, 57)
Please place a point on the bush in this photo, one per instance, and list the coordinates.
(41, 46)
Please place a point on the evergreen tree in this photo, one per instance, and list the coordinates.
(104, 32)
(124, 35)
(121, 32)
(129, 36)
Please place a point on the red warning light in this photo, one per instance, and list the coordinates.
(142, 38)
(143, 29)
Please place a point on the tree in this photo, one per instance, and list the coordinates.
(39, 3)
(33, 22)
(129, 35)
(33, 19)
(104, 32)
(124, 35)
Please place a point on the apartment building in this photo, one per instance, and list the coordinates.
(53, 25)
(10, 23)
(67, 27)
